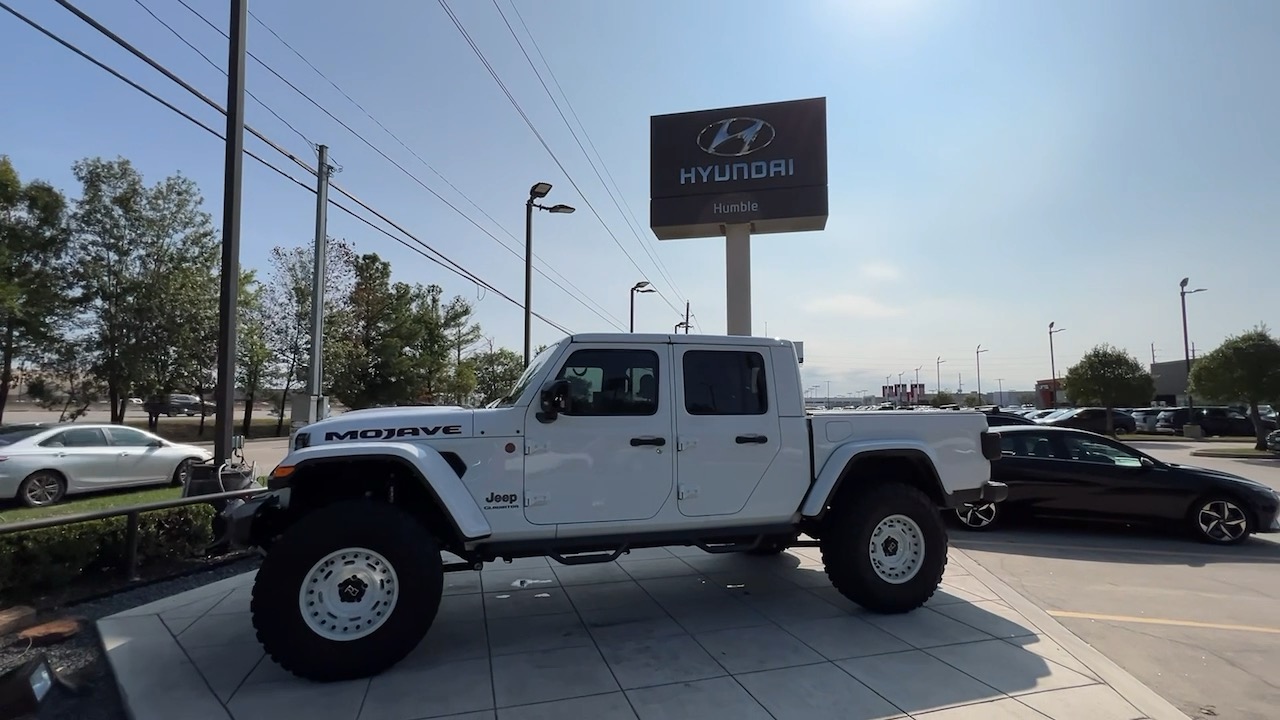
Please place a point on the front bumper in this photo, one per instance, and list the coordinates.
(241, 519)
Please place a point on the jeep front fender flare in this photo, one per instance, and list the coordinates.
(828, 480)
(433, 471)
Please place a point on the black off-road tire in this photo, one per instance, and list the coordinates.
(846, 539)
(277, 606)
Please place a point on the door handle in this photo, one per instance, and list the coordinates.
(124, 454)
(655, 441)
(747, 439)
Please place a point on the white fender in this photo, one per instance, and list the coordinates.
(433, 471)
(820, 493)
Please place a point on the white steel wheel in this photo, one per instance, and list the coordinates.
(977, 516)
(348, 594)
(897, 549)
(1222, 521)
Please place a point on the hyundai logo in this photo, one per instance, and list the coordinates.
(735, 137)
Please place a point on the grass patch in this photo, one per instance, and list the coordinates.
(187, 430)
(90, 503)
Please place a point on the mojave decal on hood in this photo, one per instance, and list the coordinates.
(397, 423)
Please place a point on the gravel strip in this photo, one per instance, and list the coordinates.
(81, 658)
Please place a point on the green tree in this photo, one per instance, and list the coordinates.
(942, 397)
(146, 262)
(34, 298)
(380, 364)
(68, 384)
(496, 372)
(254, 368)
(1109, 377)
(288, 294)
(1245, 367)
(971, 400)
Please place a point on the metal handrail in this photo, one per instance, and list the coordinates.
(60, 520)
(132, 513)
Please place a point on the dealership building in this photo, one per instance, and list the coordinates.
(1170, 378)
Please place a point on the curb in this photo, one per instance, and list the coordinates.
(1228, 455)
(1130, 688)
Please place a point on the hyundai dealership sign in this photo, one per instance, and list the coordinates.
(760, 164)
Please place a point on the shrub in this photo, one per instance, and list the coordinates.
(42, 559)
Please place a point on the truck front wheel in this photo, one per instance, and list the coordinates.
(885, 547)
(347, 591)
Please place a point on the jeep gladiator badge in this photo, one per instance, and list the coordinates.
(500, 501)
(392, 433)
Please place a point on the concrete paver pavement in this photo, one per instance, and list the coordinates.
(661, 633)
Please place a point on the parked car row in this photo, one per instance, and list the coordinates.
(42, 463)
(1216, 420)
(1074, 474)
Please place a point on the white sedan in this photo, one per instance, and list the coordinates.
(42, 464)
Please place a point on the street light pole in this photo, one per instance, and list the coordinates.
(1183, 292)
(537, 192)
(938, 369)
(977, 355)
(1053, 367)
(640, 287)
(1000, 392)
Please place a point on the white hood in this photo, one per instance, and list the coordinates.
(394, 423)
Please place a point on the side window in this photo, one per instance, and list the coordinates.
(1101, 452)
(724, 382)
(611, 382)
(128, 437)
(77, 437)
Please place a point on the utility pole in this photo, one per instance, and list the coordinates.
(229, 285)
(1153, 353)
(977, 354)
(686, 317)
(316, 406)
(1000, 392)
(959, 383)
(938, 378)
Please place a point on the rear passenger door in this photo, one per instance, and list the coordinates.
(727, 432)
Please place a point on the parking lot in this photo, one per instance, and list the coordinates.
(1197, 624)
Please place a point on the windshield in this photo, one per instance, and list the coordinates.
(13, 433)
(526, 377)
(1058, 413)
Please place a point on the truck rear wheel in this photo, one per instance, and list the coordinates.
(347, 591)
(885, 547)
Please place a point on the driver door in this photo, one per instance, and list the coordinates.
(609, 456)
(1117, 484)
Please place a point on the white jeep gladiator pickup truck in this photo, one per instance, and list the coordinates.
(605, 444)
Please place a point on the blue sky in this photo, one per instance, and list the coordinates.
(994, 166)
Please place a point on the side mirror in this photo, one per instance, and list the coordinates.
(156, 443)
(553, 400)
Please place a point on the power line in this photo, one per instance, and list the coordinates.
(444, 262)
(520, 110)
(643, 246)
(219, 68)
(169, 74)
(617, 324)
